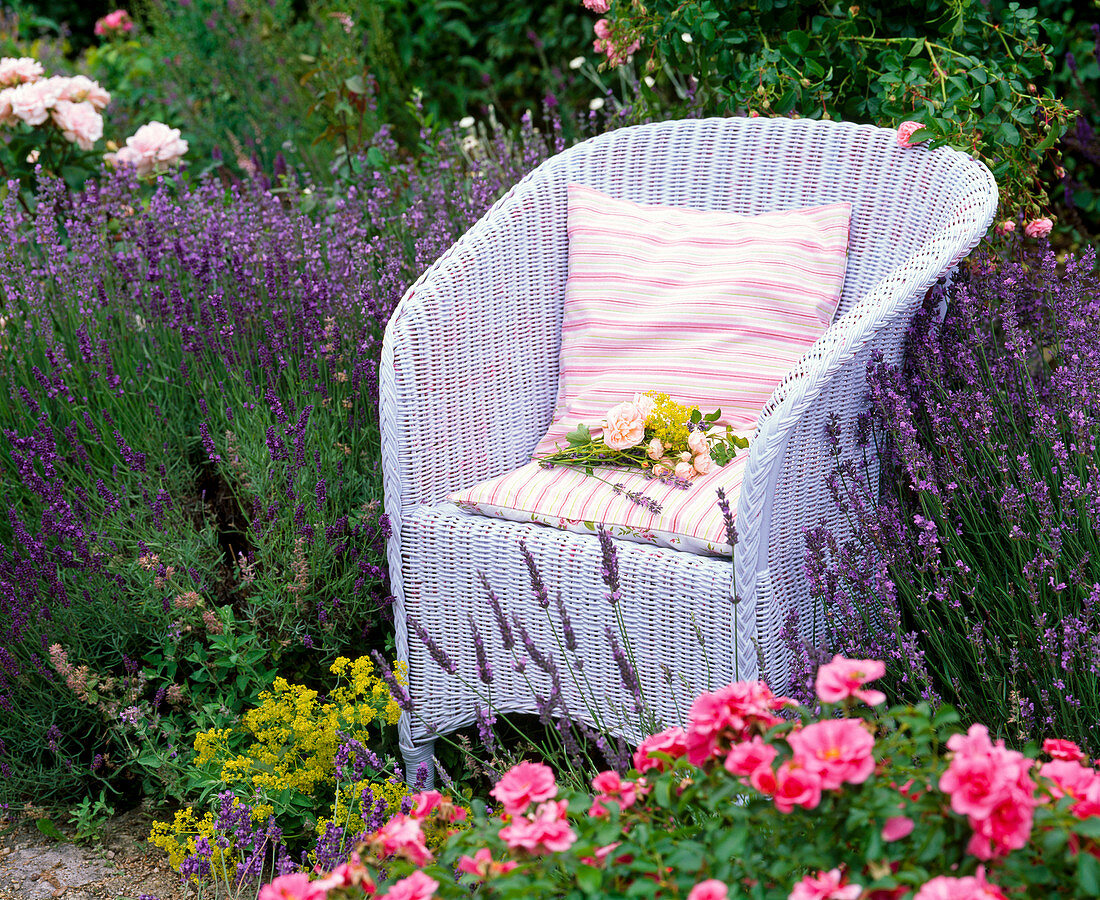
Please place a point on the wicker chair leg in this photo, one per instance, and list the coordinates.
(415, 757)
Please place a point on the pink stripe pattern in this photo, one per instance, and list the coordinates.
(711, 308)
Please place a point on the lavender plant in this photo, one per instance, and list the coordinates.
(977, 570)
(188, 444)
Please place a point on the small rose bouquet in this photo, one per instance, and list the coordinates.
(654, 434)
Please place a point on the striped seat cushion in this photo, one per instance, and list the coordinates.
(711, 308)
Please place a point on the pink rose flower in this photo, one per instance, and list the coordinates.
(655, 449)
(78, 123)
(1071, 779)
(1063, 749)
(843, 678)
(80, 89)
(905, 131)
(703, 463)
(992, 787)
(727, 716)
(711, 889)
(547, 831)
(482, 866)
(1038, 228)
(32, 102)
(645, 404)
(697, 442)
(970, 887)
(671, 741)
(839, 751)
(597, 6)
(117, 22)
(748, 756)
(152, 148)
(1006, 227)
(896, 828)
(824, 886)
(602, 28)
(684, 470)
(624, 427)
(23, 70)
(795, 786)
(291, 887)
(525, 783)
(417, 886)
(402, 836)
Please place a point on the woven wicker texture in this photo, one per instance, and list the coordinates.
(469, 381)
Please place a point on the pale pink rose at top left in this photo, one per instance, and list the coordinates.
(79, 123)
(711, 889)
(81, 89)
(597, 6)
(32, 102)
(19, 70)
(624, 427)
(292, 887)
(525, 783)
(843, 678)
(417, 886)
(1038, 228)
(840, 751)
(906, 131)
(824, 886)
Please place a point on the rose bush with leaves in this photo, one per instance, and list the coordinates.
(760, 798)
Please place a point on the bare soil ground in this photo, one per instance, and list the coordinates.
(122, 864)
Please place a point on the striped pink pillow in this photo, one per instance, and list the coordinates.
(711, 308)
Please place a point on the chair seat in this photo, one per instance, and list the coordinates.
(567, 498)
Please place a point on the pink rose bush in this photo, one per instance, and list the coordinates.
(759, 797)
(36, 110)
(114, 24)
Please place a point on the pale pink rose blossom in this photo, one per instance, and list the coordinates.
(697, 442)
(840, 751)
(22, 70)
(79, 123)
(6, 114)
(654, 450)
(33, 101)
(152, 148)
(906, 131)
(597, 6)
(81, 89)
(1038, 228)
(402, 836)
(624, 427)
(684, 470)
(843, 678)
(291, 887)
(711, 889)
(703, 464)
(824, 886)
(896, 828)
(1006, 227)
(1070, 778)
(525, 783)
(417, 886)
(719, 719)
(602, 28)
(645, 404)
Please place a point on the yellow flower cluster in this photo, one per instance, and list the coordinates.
(291, 742)
(668, 420)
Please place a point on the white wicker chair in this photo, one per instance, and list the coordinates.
(469, 381)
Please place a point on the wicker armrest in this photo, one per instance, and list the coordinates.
(468, 375)
(790, 457)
